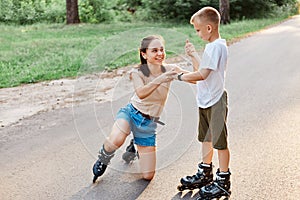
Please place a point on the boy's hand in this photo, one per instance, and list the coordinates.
(189, 48)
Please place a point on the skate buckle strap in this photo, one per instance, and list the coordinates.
(226, 192)
(200, 173)
(205, 165)
(219, 178)
(104, 157)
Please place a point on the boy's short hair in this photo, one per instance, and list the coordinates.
(209, 14)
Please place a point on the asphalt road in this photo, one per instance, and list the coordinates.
(50, 155)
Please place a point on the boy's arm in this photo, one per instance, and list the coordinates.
(191, 51)
(194, 76)
(195, 61)
(179, 70)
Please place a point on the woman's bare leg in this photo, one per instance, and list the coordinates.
(117, 137)
(119, 132)
(147, 161)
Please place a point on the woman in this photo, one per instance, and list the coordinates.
(151, 82)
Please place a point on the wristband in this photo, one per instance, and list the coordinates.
(179, 76)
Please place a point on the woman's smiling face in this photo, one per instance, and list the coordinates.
(155, 53)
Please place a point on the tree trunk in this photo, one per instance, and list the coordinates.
(72, 12)
(224, 11)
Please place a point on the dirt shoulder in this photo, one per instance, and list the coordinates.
(18, 103)
(24, 101)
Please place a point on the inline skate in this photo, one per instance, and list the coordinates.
(100, 166)
(131, 153)
(218, 189)
(203, 177)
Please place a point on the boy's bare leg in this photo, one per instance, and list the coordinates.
(224, 157)
(207, 152)
(147, 161)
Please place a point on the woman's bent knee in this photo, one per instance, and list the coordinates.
(148, 176)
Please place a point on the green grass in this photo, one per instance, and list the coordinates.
(34, 53)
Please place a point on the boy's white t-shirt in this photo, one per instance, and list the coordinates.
(210, 90)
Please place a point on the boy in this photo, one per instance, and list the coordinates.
(212, 103)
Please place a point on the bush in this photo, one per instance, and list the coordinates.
(181, 10)
(54, 11)
(32, 11)
(251, 9)
(174, 10)
(7, 13)
(98, 11)
(285, 10)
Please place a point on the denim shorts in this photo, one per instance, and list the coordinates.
(143, 129)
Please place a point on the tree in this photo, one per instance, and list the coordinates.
(224, 11)
(72, 12)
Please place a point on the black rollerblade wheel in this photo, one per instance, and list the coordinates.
(131, 153)
(94, 179)
(186, 187)
(128, 157)
(180, 188)
(217, 197)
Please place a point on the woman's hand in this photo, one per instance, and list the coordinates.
(166, 77)
(144, 91)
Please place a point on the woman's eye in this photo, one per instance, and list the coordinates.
(156, 50)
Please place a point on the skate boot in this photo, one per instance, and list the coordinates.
(131, 153)
(100, 166)
(218, 188)
(203, 177)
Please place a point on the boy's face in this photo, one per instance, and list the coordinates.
(203, 29)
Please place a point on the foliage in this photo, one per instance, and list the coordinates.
(239, 9)
(180, 9)
(98, 11)
(251, 9)
(31, 11)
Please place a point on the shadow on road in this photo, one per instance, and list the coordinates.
(190, 195)
(112, 188)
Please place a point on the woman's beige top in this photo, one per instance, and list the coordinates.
(152, 105)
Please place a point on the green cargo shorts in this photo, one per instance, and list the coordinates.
(212, 124)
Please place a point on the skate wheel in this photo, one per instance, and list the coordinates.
(203, 198)
(125, 158)
(128, 157)
(126, 161)
(94, 179)
(180, 188)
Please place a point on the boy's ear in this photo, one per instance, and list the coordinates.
(209, 28)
